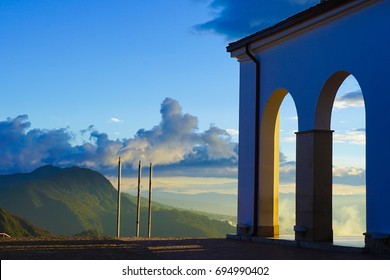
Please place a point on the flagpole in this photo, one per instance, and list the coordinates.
(150, 202)
(118, 219)
(138, 199)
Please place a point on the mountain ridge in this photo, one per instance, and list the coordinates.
(67, 201)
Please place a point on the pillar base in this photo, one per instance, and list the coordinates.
(262, 231)
(268, 231)
(377, 242)
(244, 230)
(303, 233)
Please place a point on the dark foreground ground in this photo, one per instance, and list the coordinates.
(164, 248)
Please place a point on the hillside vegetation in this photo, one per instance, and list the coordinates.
(74, 200)
(15, 226)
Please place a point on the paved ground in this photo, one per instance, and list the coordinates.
(165, 248)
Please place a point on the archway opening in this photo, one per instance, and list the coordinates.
(288, 127)
(349, 184)
(277, 167)
(341, 104)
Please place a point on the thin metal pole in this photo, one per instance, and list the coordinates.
(150, 202)
(118, 219)
(138, 200)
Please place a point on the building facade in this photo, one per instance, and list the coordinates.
(309, 55)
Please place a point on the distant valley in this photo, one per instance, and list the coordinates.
(71, 201)
(220, 206)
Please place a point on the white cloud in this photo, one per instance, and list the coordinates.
(288, 139)
(349, 214)
(347, 171)
(349, 99)
(115, 120)
(175, 145)
(287, 188)
(286, 215)
(338, 189)
(346, 176)
(355, 136)
(232, 131)
(287, 136)
(349, 220)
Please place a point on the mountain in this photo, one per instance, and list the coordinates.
(69, 201)
(17, 227)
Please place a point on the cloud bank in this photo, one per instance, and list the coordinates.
(236, 18)
(175, 146)
(350, 176)
(349, 99)
(349, 214)
(356, 136)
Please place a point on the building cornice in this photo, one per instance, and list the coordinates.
(301, 22)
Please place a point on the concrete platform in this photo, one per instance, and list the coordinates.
(172, 249)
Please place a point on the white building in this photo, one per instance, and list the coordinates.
(309, 55)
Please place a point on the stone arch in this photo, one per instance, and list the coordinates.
(268, 200)
(326, 100)
(325, 106)
(319, 164)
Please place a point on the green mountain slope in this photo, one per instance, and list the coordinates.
(17, 227)
(72, 200)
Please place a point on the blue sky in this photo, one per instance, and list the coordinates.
(83, 82)
(106, 66)
(82, 63)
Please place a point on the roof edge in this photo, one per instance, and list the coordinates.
(296, 19)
